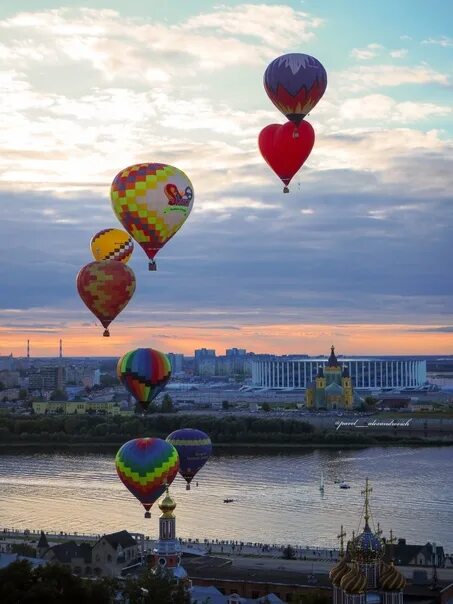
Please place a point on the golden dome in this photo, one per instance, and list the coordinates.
(353, 581)
(338, 572)
(392, 579)
(167, 504)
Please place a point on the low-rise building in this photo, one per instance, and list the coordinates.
(108, 557)
(114, 552)
(415, 406)
(79, 408)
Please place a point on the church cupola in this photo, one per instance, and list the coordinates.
(337, 573)
(332, 362)
(391, 581)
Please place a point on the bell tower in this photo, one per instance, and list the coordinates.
(167, 553)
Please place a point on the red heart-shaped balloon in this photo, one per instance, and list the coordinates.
(285, 148)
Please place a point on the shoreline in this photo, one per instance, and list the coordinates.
(273, 447)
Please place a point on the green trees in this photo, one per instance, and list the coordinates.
(155, 587)
(289, 553)
(23, 549)
(58, 395)
(167, 404)
(50, 584)
(108, 380)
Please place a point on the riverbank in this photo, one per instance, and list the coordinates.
(222, 448)
(227, 431)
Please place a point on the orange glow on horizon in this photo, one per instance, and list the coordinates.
(311, 339)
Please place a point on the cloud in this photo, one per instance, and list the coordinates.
(398, 53)
(382, 108)
(103, 91)
(434, 329)
(369, 52)
(278, 26)
(374, 76)
(443, 41)
(145, 51)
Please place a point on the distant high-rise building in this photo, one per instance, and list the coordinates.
(235, 352)
(176, 361)
(47, 378)
(201, 355)
(7, 363)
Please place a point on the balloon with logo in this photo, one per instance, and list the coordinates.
(146, 466)
(106, 287)
(144, 372)
(194, 449)
(152, 201)
(112, 244)
(283, 152)
(295, 83)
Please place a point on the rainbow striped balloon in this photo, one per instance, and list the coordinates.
(144, 373)
(145, 466)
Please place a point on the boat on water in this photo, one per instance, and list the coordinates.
(228, 500)
(344, 485)
(321, 483)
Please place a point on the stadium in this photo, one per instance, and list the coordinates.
(366, 373)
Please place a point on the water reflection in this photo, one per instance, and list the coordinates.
(277, 498)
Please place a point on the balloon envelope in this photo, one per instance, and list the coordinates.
(144, 372)
(112, 244)
(145, 466)
(295, 83)
(194, 449)
(106, 288)
(152, 201)
(285, 152)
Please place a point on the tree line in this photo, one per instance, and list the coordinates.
(55, 584)
(221, 429)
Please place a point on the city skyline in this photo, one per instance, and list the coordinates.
(355, 255)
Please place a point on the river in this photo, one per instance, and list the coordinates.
(276, 497)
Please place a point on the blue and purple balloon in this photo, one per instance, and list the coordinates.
(295, 83)
(194, 449)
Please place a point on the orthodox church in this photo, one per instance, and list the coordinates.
(363, 575)
(167, 553)
(332, 388)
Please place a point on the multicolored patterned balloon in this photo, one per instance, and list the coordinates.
(145, 467)
(106, 287)
(112, 244)
(295, 83)
(144, 372)
(152, 202)
(194, 449)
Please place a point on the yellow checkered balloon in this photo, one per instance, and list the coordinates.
(152, 202)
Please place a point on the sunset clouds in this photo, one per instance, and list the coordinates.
(358, 253)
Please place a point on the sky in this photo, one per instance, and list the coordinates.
(358, 254)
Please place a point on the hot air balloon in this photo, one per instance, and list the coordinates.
(146, 466)
(283, 152)
(152, 202)
(295, 83)
(194, 449)
(106, 287)
(112, 244)
(144, 372)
